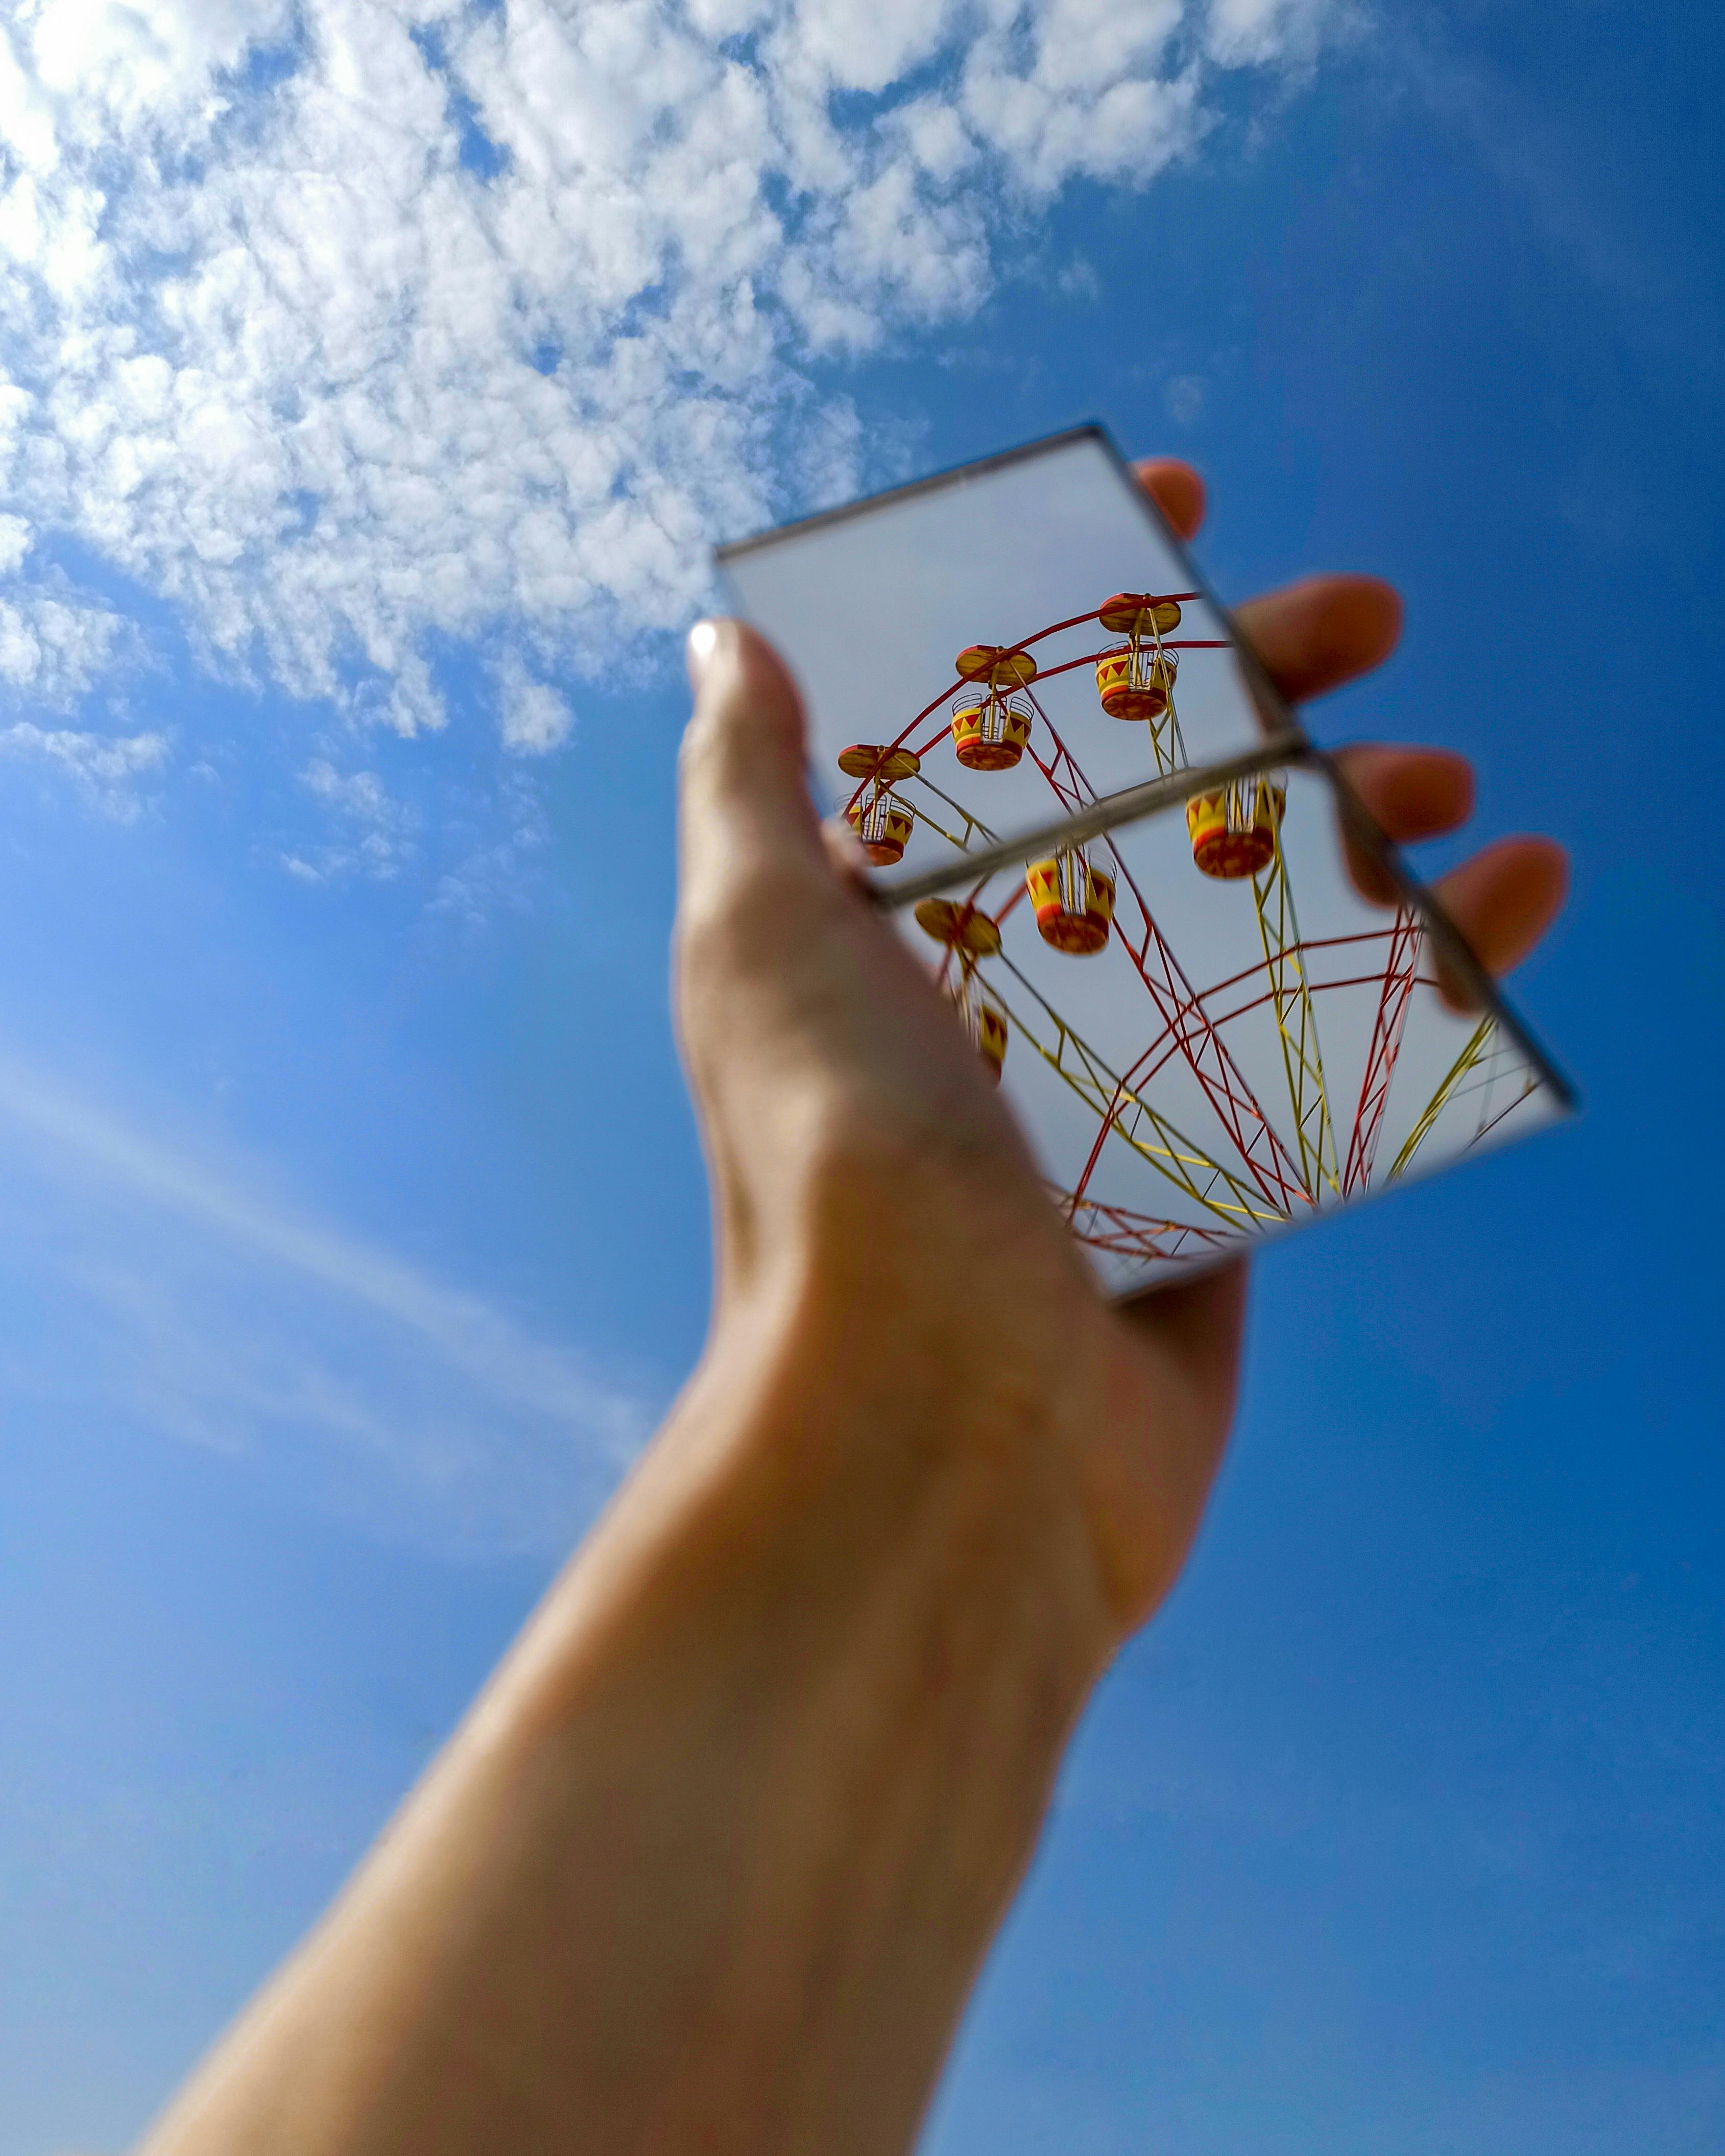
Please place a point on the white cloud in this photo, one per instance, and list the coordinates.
(371, 833)
(53, 647)
(98, 757)
(352, 325)
(190, 1298)
(1244, 32)
(1184, 398)
(533, 718)
(105, 768)
(493, 870)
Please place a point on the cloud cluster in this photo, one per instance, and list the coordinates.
(349, 327)
(364, 831)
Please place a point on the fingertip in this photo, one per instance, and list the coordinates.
(718, 637)
(1555, 855)
(1529, 873)
(1504, 899)
(1314, 635)
(1177, 490)
(698, 650)
(728, 661)
(742, 750)
(1544, 871)
(1373, 612)
(1413, 792)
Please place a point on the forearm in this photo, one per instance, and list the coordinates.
(713, 1861)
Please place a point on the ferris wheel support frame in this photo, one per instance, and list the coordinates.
(1478, 1047)
(1179, 1006)
(1123, 1110)
(1296, 1024)
(1187, 1028)
(1130, 1234)
(1400, 974)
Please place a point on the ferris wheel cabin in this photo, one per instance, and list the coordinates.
(962, 928)
(969, 934)
(991, 718)
(1074, 903)
(991, 1038)
(878, 817)
(1135, 679)
(1232, 831)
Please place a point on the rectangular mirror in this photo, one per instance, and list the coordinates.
(1202, 1059)
(965, 675)
(1138, 881)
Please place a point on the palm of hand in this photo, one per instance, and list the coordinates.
(875, 1201)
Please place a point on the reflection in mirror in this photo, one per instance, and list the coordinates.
(1215, 1021)
(1210, 1034)
(954, 642)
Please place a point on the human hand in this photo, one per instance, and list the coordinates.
(871, 1191)
(713, 1860)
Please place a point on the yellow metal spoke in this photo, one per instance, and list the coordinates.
(1296, 1025)
(974, 827)
(1478, 1047)
(1125, 1112)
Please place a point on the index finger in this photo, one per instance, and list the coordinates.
(1176, 489)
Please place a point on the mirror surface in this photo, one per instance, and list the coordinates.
(1207, 1032)
(965, 677)
(1209, 1035)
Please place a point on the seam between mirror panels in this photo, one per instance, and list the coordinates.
(1452, 946)
(1135, 805)
(1268, 699)
(1141, 804)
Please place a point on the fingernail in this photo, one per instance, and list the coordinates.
(703, 642)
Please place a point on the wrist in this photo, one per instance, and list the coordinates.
(839, 1406)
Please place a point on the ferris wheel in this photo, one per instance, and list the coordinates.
(1220, 1085)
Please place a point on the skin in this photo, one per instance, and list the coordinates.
(711, 1864)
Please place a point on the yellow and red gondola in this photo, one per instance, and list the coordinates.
(1135, 679)
(969, 934)
(991, 715)
(1073, 901)
(1234, 830)
(881, 821)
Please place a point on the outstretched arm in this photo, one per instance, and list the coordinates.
(712, 1862)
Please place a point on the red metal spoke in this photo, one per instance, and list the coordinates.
(1130, 1234)
(1399, 974)
(1254, 1136)
(1007, 650)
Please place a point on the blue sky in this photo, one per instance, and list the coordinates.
(354, 1231)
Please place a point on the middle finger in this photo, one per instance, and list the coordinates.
(1410, 793)
(1316, 635)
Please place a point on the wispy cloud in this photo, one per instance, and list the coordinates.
(535, 718)
(165, 1290)
(371, 833)
(1662, 289)
(106, 767)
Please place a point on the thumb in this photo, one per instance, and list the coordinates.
(744, 800)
